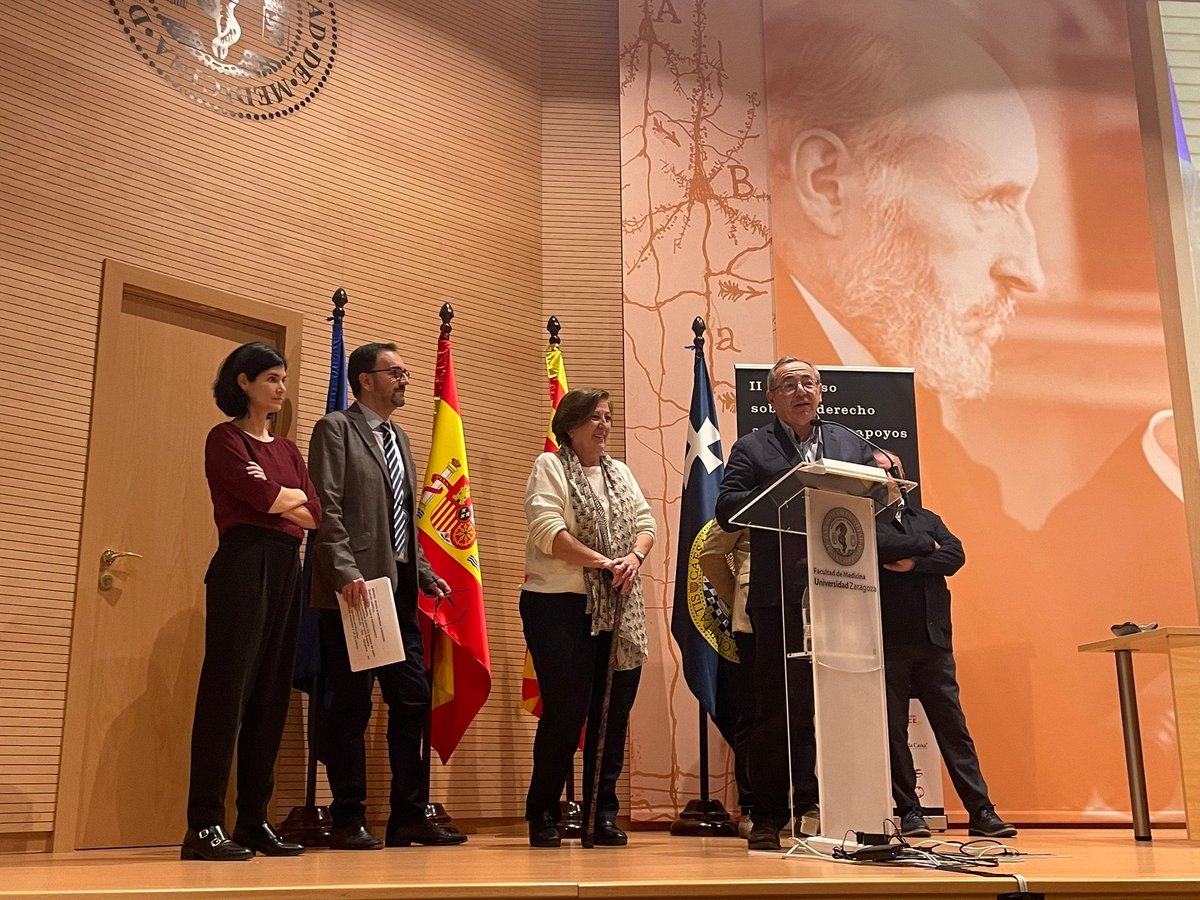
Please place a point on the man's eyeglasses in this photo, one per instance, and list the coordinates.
(397, 372)
(790, 385)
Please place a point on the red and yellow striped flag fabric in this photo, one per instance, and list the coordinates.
(556, 374)
(531, 694)
(462, 672)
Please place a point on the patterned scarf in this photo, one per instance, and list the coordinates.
(613, 535)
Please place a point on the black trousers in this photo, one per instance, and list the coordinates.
(405, 690)
(571, 666)
(769, 743)
(253, 608)
(928, 674)
(744, 725)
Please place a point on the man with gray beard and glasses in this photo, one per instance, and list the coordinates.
(902, 158)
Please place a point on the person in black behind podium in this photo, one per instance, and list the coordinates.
(755, 461)
(916, 554)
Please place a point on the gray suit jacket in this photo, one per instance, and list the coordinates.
(355, 537)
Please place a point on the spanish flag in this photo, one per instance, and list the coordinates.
(556, 373)
(462, 667)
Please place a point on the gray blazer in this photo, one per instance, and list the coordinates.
(355, 537)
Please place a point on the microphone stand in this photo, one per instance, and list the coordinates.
(893, 469)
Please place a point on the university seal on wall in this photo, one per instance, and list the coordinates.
(249, 59)
(842, 535)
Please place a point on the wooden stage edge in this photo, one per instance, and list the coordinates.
(1080, 864)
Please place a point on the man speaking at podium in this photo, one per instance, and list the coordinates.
(755, 462)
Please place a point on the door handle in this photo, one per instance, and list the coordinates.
(108, 557)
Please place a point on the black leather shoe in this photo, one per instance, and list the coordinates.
(764, 836)
(985, 823)
(261, 838)
(353, 837)
(424, 833)
(607, 834)
(213, 844)
(544, 831)
(913, 824)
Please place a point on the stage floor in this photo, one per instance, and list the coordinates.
(1088, 864)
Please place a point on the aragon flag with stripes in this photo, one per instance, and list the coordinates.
(556, 374)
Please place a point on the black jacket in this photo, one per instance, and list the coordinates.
(908, 598)
(756, 461)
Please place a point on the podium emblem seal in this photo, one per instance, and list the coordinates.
(842, 536)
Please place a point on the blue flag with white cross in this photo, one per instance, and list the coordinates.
(699, 624)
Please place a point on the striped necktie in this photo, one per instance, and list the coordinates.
(395, 470)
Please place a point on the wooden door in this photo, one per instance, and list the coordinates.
(137, 645)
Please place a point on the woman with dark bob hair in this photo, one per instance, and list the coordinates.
(263, 502)
(590, 529)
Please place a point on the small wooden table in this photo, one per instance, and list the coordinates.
(1182, 646)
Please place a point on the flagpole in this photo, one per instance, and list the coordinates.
(435, 813)
(311, 824)
(571, 823)
(704, 817)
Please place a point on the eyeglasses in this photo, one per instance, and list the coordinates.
(397, 372)
(790, 385)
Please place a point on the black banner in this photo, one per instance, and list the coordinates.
(878, 403)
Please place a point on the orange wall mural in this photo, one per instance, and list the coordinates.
(695, 230)
(956, 187)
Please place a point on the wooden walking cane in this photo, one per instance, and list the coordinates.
(589, 819)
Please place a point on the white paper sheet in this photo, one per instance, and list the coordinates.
(372, 630)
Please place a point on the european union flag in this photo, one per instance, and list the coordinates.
(699, 624)
(308, 641)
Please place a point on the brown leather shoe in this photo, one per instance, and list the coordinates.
(424, 833)
(353, 837)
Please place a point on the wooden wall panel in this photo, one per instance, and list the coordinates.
(581, 184)
(413, 178)
(581, 206)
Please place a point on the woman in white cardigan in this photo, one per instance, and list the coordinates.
(590, 529)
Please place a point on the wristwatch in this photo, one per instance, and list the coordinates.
(641, 557)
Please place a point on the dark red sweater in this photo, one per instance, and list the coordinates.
(241, 499)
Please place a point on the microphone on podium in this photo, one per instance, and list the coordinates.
(893, 469)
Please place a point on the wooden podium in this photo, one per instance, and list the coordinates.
(1181, 644)
(834, 504)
